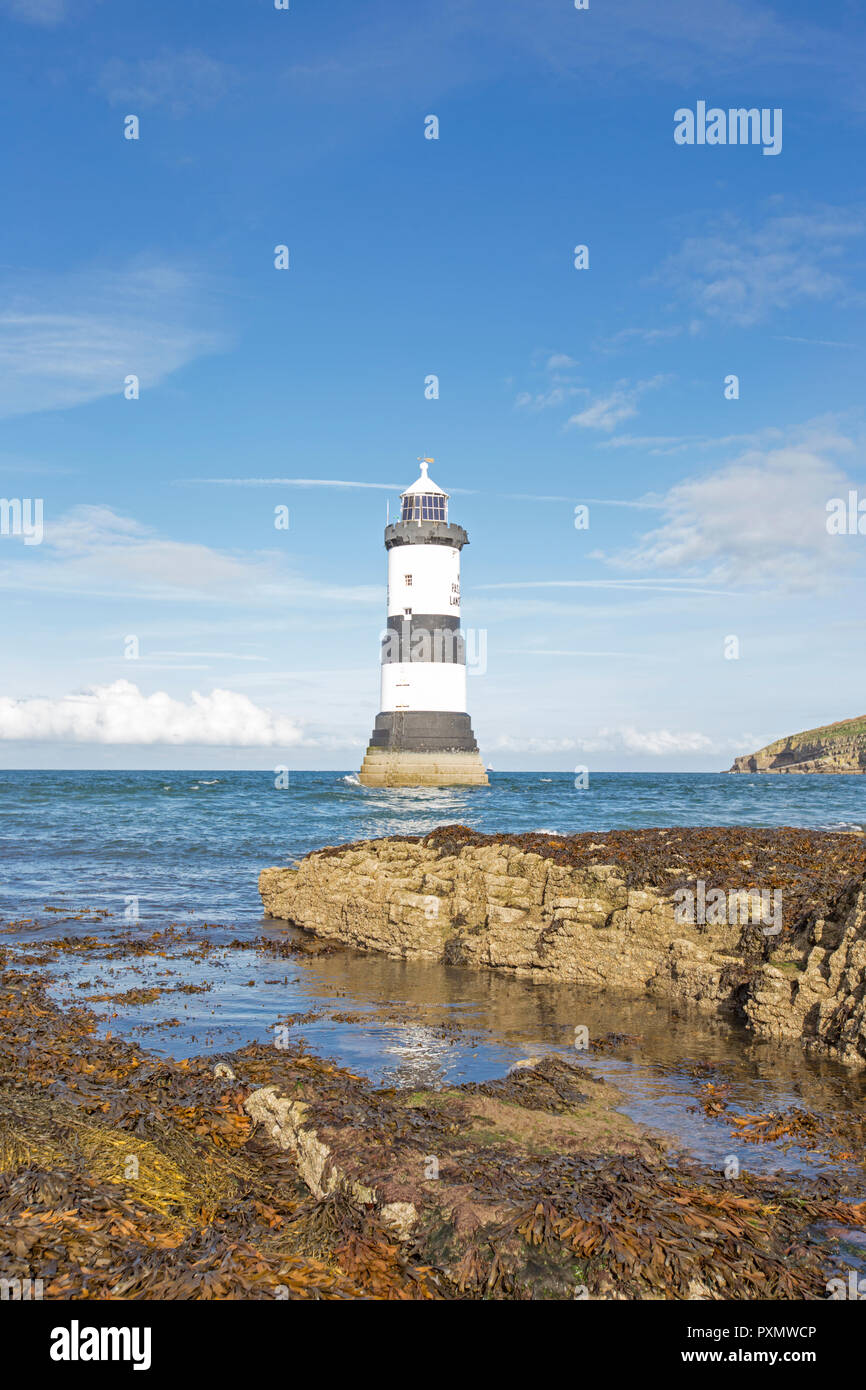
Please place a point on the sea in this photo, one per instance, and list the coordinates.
(194, 842)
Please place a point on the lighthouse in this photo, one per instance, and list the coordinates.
(422, 736)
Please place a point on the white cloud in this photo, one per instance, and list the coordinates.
(508, 743)
(759, 520)
(121, 713)
(654, 742)
(620, 404)
(67, 340)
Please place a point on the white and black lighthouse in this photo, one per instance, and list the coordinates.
(423, 735)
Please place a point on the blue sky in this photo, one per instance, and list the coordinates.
(605, 647)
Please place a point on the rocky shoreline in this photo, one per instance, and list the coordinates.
(782, 939)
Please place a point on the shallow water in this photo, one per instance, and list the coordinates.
(420, 1023)
(186, 849)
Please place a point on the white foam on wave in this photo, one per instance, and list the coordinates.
(351, 779)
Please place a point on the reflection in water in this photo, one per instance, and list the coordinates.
(422, 1023)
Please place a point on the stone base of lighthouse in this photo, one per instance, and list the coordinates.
(423, 748)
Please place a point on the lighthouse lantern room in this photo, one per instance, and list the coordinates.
(422, 734)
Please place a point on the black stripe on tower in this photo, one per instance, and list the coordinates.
(425, 533)
(423, 731)
(424, 637)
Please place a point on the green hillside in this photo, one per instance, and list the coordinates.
(843, 728)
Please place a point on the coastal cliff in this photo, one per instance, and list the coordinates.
(784, 942)
(839, 748)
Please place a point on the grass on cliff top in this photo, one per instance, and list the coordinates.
(843, 728)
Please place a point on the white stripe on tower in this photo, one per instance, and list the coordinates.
(424, 585)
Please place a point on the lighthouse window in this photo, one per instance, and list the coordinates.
(424, 507)
(408, 578)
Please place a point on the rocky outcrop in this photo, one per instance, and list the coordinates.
(622, 925)
(838, 748)
(819, 996)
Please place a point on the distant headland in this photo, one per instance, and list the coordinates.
(839, 748)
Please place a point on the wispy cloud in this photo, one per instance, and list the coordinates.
(178, 82)
(212, 656)
(94, 550)
(628, 43)
(742, 274)
(559, 383)
(68, 340)
(552, 396)
(621, 403)
(667, 585)
(627, 738)
(644, 336)
(648, 503)
(640, 503)
(295, 482)
(682, 443)
(655, 742)
(46, 13)
(813, 342)
(552, 651)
